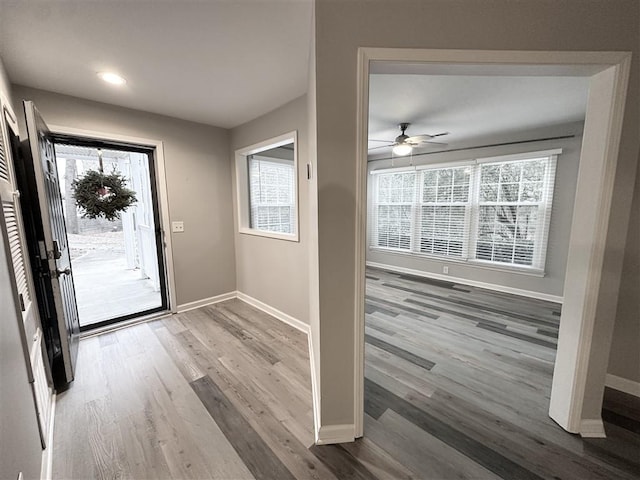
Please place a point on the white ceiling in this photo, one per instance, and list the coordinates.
(475, 109)
(219, 62)
(225, 62)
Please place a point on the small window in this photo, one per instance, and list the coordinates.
(266, 181)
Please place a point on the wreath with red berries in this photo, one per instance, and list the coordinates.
(102, 195)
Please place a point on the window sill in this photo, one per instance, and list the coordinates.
(290, 237)
(528, 271)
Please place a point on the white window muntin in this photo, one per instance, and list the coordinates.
(242, 186)
(472, 213)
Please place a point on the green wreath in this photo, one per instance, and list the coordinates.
(102, 195)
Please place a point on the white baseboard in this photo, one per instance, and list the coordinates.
(46, 468)
(623, 384)
(473, 283)
(206, 301)
(336, 434)
(592, 429)
(331, 434)
(315, 390)
(286, 318)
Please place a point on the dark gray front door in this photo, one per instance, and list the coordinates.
(55, 262)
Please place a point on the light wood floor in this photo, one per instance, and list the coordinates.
(224, 392)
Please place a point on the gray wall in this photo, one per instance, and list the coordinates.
(625, 350)
(20, 449)
(198, 183)
(559, 229)
(271, 270)
(342, 27)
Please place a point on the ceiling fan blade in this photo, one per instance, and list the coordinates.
(425, 137)
(432, 143)
(374, 140)
(382, 146)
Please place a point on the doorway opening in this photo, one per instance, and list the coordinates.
(118, 266)
(578, 348)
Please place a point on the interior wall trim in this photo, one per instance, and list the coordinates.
(592, 428)
(185, 307)
(46, 467)
(319, 437)
(280, 315)
(579, 348)
(336, 434)
(474, 283)
(161, 185)
(315, 390)
(623, 385)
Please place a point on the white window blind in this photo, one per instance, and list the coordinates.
(494, 211)
(271, 194)
(444, 211)
(396, 196)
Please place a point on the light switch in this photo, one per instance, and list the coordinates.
(177, 227)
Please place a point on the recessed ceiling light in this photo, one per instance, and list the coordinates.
(112, 78)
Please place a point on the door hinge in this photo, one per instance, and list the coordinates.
(42, 250)
(55, 253)
(22, 306)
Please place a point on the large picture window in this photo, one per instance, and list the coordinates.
(494, 211)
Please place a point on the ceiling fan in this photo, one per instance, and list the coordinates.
(403, 144)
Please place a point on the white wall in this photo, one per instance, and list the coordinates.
(342, 27)
(271, 270)
(198, 183)
(560, 227)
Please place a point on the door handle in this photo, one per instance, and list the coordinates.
(66, 271)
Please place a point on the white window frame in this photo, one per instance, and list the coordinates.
(242, 186)
(472, 214)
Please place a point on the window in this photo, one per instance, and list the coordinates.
(493, 211)
(444, 210)
(272, 194)
(266, 185)
(396, 193)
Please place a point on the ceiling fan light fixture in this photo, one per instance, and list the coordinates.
(402, 149)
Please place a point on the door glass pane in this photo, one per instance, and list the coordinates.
(115, 263)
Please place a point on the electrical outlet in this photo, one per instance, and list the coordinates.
(177, 227)
(445, 269)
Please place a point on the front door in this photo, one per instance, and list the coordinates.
(53, 263)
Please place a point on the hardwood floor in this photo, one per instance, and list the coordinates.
(224, 392)
(457, 385)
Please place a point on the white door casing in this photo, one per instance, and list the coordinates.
(609, 73)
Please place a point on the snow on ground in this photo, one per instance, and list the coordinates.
(109, 241)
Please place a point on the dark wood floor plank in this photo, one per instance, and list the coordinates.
(476, 451)
(343, 465)
(521, 336)
(401, 307)
(477, 307)
(255, 453)
(399, 352)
